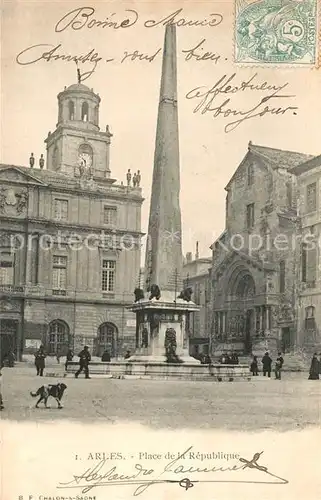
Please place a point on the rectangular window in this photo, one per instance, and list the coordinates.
(6, 268)
(250, 175)
(282, 276)
(250, 216)
(59, 272)
(309, 265)
(110, 215)
(61, 209)
(312, 197)
(108, 276)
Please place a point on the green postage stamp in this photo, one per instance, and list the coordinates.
(277, 32)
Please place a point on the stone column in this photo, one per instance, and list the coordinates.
(261, 317)
(268, 318)
(224, 322)
(28, 256)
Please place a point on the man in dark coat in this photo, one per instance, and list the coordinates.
(84, 360)
(11, 358)
(267, 364)
(106, 357)
(314, 368)
(40, 357)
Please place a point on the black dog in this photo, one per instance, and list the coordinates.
(56, 391)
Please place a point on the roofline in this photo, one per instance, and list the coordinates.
(251, 149)
(4, 166)
(240, 164)
(220, 236)
(201, 259)
(306, 166)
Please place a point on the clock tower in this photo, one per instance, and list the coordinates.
(78, 146)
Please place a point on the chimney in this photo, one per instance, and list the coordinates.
(197, 253)
(189, 257)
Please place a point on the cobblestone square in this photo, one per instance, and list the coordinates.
(289, 404)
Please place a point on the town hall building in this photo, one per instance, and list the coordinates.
(70, 244)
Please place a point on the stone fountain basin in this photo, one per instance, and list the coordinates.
(150, 370)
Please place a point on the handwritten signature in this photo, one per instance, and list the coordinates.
(208, 100)
(142, 478)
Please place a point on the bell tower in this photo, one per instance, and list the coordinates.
(78, 144)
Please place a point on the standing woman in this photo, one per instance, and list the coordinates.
(314, 368)
(40, 357)
(254, 366)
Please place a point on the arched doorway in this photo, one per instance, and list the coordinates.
(243, 291)
(107, 339)
(8, 336)
(58, 337)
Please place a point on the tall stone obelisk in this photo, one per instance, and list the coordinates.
(163, 320)
(164, 241)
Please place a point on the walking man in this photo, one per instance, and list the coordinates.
(267, 364)
(278, 366)
(40, 357)
(84, 360)
(69, 357)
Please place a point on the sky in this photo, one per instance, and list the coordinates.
(129, 90)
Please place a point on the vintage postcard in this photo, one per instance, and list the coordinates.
(160, 257)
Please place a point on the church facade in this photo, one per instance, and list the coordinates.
(265, 279)
(70, 241)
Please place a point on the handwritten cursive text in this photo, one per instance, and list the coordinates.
(207, 100)
(197, 53)
(82, 17)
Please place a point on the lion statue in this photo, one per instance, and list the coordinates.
(186, 294)
(154, 292)
(139, 294)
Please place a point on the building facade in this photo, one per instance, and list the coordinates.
(196, 275)
(70, 241)
(256, 285)
(308, 271)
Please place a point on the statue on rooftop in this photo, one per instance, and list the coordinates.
(31, 160)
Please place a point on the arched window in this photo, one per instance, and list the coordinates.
(60, 112)
(96, 115)
(84, 112)
(107, 336)
(58, 337)
(245, 286)
(71, 110)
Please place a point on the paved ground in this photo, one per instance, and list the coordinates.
(289, 404)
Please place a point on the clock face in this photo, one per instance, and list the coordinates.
(84, 160)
